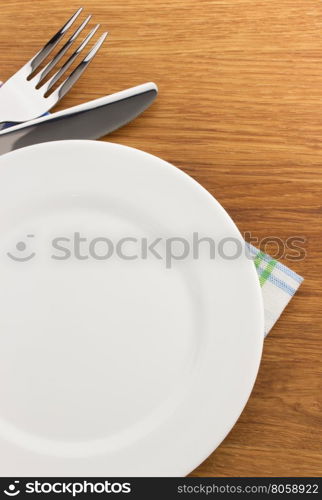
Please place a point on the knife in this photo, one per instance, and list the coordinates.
(90, 120)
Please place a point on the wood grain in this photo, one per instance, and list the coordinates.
(240, 110)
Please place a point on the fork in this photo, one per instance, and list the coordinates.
(25, 95)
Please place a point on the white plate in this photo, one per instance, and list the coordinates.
(114, 367)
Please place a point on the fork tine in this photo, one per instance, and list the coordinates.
(51, 44)
(48, 85)
(74, 76)
(39, 77)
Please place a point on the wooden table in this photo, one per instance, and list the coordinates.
(240, 110)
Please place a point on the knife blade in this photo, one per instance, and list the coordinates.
(90, 120)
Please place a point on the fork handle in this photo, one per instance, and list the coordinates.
(8, 112)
